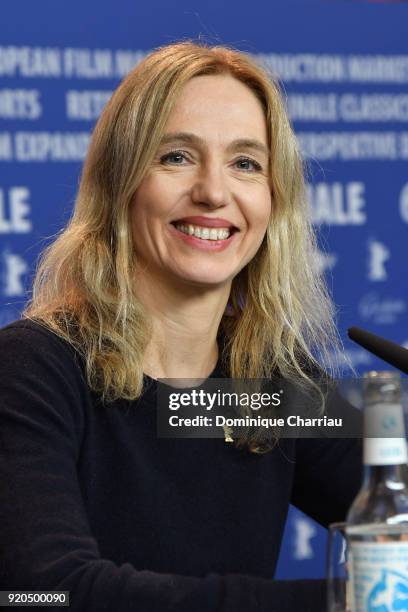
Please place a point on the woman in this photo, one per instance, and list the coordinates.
(189, 254)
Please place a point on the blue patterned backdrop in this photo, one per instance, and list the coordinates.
(344, 68)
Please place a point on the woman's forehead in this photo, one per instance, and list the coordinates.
(218, 102)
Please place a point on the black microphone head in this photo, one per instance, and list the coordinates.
(386, 350)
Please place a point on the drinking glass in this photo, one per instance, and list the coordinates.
(338, 586)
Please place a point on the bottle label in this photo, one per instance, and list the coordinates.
(384, 432)
(385, 451)
(379, 576)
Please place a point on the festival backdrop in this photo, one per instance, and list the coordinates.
(344, 72)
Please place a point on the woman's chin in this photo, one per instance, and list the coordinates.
(205, 279)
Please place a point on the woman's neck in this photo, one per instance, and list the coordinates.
(176, 360)
(184, 329)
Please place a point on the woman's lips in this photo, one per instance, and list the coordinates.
(200, 243)
(205, 222)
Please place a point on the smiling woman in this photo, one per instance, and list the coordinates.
(189, 255)
(192, 132)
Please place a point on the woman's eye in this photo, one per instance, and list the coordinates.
(248, 164)
(174, 157)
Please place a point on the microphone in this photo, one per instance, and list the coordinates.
(386, 350)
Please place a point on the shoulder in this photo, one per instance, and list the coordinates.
(26, 334)
(29, 349)
(27, 328)
(44, 396)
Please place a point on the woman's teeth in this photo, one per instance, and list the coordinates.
(205, 233)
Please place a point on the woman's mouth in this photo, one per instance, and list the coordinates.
(205, 233)
(210, 239)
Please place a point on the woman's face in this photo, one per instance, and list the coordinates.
(201, 212)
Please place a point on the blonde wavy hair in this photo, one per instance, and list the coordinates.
(84, 289)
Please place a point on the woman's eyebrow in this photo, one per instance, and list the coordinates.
(193, 139)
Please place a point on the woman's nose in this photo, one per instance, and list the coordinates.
(210, 187)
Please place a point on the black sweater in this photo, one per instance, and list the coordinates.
(93, 502)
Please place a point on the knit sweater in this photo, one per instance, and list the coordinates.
(92, 501)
